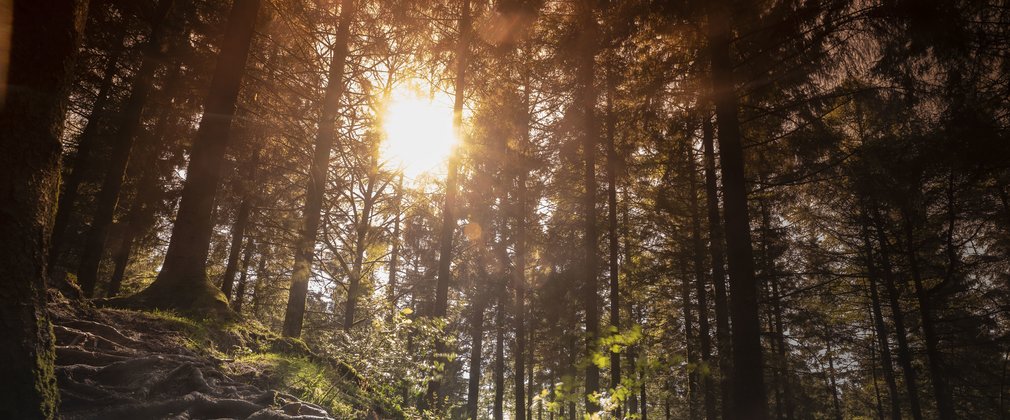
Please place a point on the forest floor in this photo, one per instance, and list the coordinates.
(120, 364)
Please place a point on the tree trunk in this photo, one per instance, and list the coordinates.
(498, 404)
(83, 158)
(182, 283)
(261, 274)
(898, 317)
(43, 39)
(236, 303)
(148, 191)
(237, 237)
(448, 228)
(586, 103)
(715, 237)
(615, 291)
(944, 403)
(476, 352)
(881, 329)
(749, 397)
(698, 252)
(129, 128)
(692, 358)
(361, 232)
(305, 246)
(519, 281)
(836, 406)
(394, 253)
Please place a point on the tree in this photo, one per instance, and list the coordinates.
(182, 283)
(42, 42)
(748, 395)
(327, 134)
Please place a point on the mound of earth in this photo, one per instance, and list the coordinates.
(116, 364)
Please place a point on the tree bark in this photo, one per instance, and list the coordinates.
(361, 232)
(182, 283)
(241, 223)
(130, 126)
(305, 246)
(691, 369)
(448, 228)
(944, 403)
(586, 102)
(715, 237)
(881, 328)
(43, 41)
(701, 292)
(898, 317)
(749, 400)
(83, 158)
(476, 353)
(394, 253)
(236, 304)
(498, 404)
(615, 290)
(148, 191)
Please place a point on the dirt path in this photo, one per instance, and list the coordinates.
(121, 365)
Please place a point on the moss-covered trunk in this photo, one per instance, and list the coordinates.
(43, 40)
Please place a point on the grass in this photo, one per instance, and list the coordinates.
(284, 364)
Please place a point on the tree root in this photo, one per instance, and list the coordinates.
(104, 373)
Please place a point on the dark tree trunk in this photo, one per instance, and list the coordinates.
(749, 400)
(182, 283)
(519, 281)
(361, 232)
(43, 40)
(615, 290)
(836, 406)
(238, 230)
(130, 125)
(304, 248)
(715, 237)
(498, 405)
(944, 403)
(898, 318)
(394, 253)
(881, 329)
(141, 209)
(476, 352)
(234, 253)
(785, 406)
(236, 303)
(698, 252)
(148, 191)
(448, 228)
(261, 275)
(586, 103)
(692, 357)
(83, 158)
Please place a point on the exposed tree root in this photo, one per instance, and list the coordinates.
(147, 373)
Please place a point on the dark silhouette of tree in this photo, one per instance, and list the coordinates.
(38, 57)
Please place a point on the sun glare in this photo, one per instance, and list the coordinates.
(419, 132)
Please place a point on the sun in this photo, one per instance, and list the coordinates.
(419, 135)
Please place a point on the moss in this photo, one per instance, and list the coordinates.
(270, 361)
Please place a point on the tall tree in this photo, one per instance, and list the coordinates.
(130, 125)
(748, 398)
(37, 57)
(183, 283)
(448, 227)
(327, 134)
(585, 103)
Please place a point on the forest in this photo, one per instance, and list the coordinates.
(505, 209)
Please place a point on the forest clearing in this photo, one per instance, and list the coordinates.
(505, 209)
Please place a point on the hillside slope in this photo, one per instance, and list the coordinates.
(118, 364)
